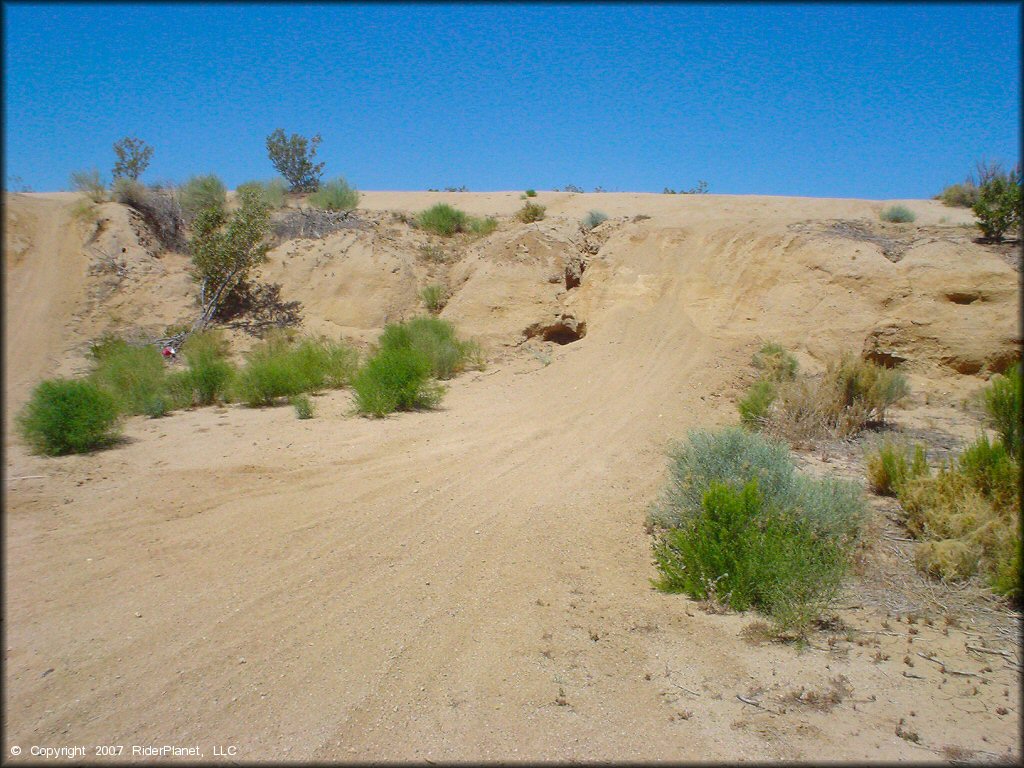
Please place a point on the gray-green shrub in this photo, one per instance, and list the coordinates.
(592, 219)
(531, 212)
(68, 416)
(897, 213)
(272, 192)
(434, 297)
(303, 406)
(775, 362)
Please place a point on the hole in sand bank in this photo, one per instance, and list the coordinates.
(964, 297)
(564, 330)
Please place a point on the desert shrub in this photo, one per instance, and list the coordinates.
(90, 183)
(531, 193)
(735, 457)
(754, 407)
(436, 340)
(272, 192)
(282, 367)
(442, 219)
(209, 371)
(998, 207)
(434, 297)
(482, 226)
(775, 362)
(745, 552)
(395, 379)
(303, 406)
(592, 219)
(960, 195)
(201, 192)
(159, 207)
(862, 391)
(335, 195)
(531, 212)
(132, 158)
(68, 416)
(132, 375)
(293, 156)
(897, 213)
(968, 517)
(84, 210)
(893, 464)
(1002, 399)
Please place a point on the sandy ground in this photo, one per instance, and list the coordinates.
(473, 583)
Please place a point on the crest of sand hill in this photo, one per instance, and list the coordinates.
(661, 274)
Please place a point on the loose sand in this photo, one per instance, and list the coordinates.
(473, 583)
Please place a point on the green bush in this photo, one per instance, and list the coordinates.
(530, 213)
(482, 226)
(303, 406)
(68, 416)
(91, 184)
(1002, 399)
(754, 407)
(281, 367)
(395, 379)
(200, 193)
(892, 465)
(775, 362)
(859, 391)
(443, 220)
(434, 297)
(991, 470)
(292, 157)
(272, 193)
(209, 372)
(132, 375)
(335, 195)
(735, 457)
(897, 213)
(592, 219)
(436, 340)
(742, 551)
(998, 208)
(531, 193)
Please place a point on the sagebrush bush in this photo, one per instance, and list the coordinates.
(335, 195)
(893, 464)
(592, 219)
(531, 212)
(442, 219)
(745, 552)
(754, 407)
(90, 183)
(734, 457)
(68, 416)
(1002, 400)
(273, 192)
(898, 213)
(775, 362)
(434, 297)
(437, 341)
(200, 193)
(132, 375)
(282, 367)
(395, 379)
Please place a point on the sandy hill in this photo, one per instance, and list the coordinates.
(472, 583)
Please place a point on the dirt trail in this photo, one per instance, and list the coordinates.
(465, 584)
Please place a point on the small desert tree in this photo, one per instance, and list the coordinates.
(133, 156)
(998, 207)
(225, 248)
(293, 159)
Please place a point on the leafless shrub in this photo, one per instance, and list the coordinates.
(311, 223)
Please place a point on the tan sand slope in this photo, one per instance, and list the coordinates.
(472, 583)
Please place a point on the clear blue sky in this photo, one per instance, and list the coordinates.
(871, 101)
